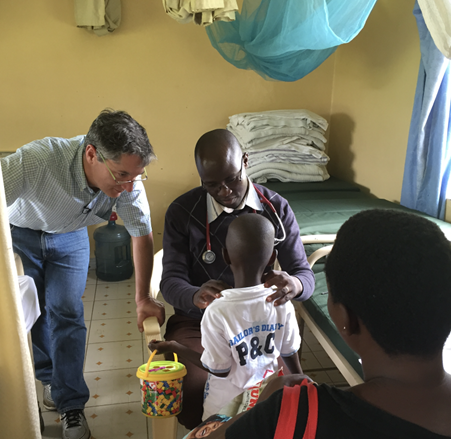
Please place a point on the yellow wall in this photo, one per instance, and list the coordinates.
(56, 78)
(374, 87)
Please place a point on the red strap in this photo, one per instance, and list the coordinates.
(312, 420)
(286, 423)
(288, 413)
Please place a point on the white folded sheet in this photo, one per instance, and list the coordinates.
(274, 140)
(287, 172)
(278, 117)
(249, 137)
(294, 143)
(303, 154)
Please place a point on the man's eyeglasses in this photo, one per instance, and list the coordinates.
(141, 177)
(230, 182)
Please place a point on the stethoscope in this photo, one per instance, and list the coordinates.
(209, 255)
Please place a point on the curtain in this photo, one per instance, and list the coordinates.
(427, 166)
(19, 417)
(437, 16)
(287, 39)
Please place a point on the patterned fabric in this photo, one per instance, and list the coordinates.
(46, 189)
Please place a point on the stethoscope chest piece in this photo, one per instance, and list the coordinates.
(208, 257)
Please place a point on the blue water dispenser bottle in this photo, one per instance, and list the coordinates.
(113, 252)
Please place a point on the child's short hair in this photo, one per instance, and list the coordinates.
(393, 270)
(250, 240)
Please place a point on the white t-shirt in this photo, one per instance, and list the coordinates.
(244, 334)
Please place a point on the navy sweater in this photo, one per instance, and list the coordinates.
(184, 242)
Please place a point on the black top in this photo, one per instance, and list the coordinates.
(342, 415)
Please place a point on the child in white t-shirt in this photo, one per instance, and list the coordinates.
(242, 333)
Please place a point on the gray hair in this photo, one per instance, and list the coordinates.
(114, 133)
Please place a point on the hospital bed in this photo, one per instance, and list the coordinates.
(320, 209)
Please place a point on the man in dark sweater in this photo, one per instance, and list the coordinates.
(194, 272)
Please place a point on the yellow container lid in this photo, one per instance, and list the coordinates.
(161, 370)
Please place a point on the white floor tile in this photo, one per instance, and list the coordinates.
(313, 344)
(113, 387)
(89, 294)
(114, 309)
(131, 279)
(336, 376)
(52, 425)
(88, 306)
(305, 346)
(324, 359)
(309, 362)
(92, 278)
(107, 330)
(308, 335)
(114, 355)
(320, 377)
(109, 291)
(88, 328)
(118, 421)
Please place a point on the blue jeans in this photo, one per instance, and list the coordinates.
(58, 263)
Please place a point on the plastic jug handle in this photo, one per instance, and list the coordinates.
(122, 264)
(151, 358)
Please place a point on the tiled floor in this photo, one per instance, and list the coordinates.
(115, 349)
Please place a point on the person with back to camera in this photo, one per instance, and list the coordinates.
(194, 274)
(389, 282)
(54, 188)
(242, 333)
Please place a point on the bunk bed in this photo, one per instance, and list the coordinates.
(320, 209)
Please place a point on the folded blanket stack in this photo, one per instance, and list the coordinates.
(286, 145)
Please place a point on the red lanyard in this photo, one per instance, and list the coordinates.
(208, 234)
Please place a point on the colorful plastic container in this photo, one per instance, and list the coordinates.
(161, 387)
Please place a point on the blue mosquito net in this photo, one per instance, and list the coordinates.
(287, 39)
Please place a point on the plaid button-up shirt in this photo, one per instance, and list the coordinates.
(46, 189)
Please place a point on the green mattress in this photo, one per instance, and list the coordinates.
(331, 185)
(321, 208)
